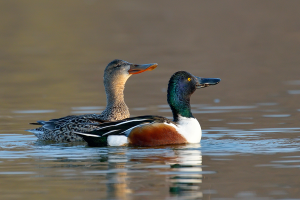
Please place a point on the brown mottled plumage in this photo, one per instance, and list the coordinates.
(115, 76)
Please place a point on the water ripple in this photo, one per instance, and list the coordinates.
(33, 111)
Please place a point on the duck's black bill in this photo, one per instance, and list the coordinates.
(205, 82)
(137, 69)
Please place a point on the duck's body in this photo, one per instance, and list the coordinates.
(115, 76)
(156, 130)
(146, 131)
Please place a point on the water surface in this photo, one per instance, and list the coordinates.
(52, 57)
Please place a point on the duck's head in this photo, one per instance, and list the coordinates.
(120, 70)
(185, 83)
(115, 76)
(181, 86)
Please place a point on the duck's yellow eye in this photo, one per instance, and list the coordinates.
(189, 79)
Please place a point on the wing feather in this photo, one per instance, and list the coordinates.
(121, 127)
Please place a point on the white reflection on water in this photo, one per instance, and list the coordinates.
(229, 107)
(267, 104)
(186, 172)
(208, 111)
(16, 173)
(33, 111)
(82, 112)
(279, 115)
(293, 91)
(215, 120)
(89, 108)
(240, 123)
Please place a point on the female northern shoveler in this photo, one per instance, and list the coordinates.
(156, 130)
(115, 76)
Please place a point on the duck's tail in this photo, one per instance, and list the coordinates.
(38, 123)
(39, 134)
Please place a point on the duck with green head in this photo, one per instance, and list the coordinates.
(116, 74)
(152, 130)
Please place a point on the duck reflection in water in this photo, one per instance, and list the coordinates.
(180, 165)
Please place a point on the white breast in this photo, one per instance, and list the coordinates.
(190, 129)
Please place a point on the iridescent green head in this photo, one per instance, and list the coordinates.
(181, 86)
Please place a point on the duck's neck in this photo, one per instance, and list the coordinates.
(114, 94)
(116, 107)
(179, 102)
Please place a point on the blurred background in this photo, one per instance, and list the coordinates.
(53, 55)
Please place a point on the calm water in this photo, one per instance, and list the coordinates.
(52, 57)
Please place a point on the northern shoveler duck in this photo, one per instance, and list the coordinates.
(156, 130)
(115, 76)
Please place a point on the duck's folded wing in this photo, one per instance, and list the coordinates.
(53, 124)
(120, 127)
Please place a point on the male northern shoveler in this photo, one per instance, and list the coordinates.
(156, 130)
(115, 76)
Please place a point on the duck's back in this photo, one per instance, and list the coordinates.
(62, 129)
